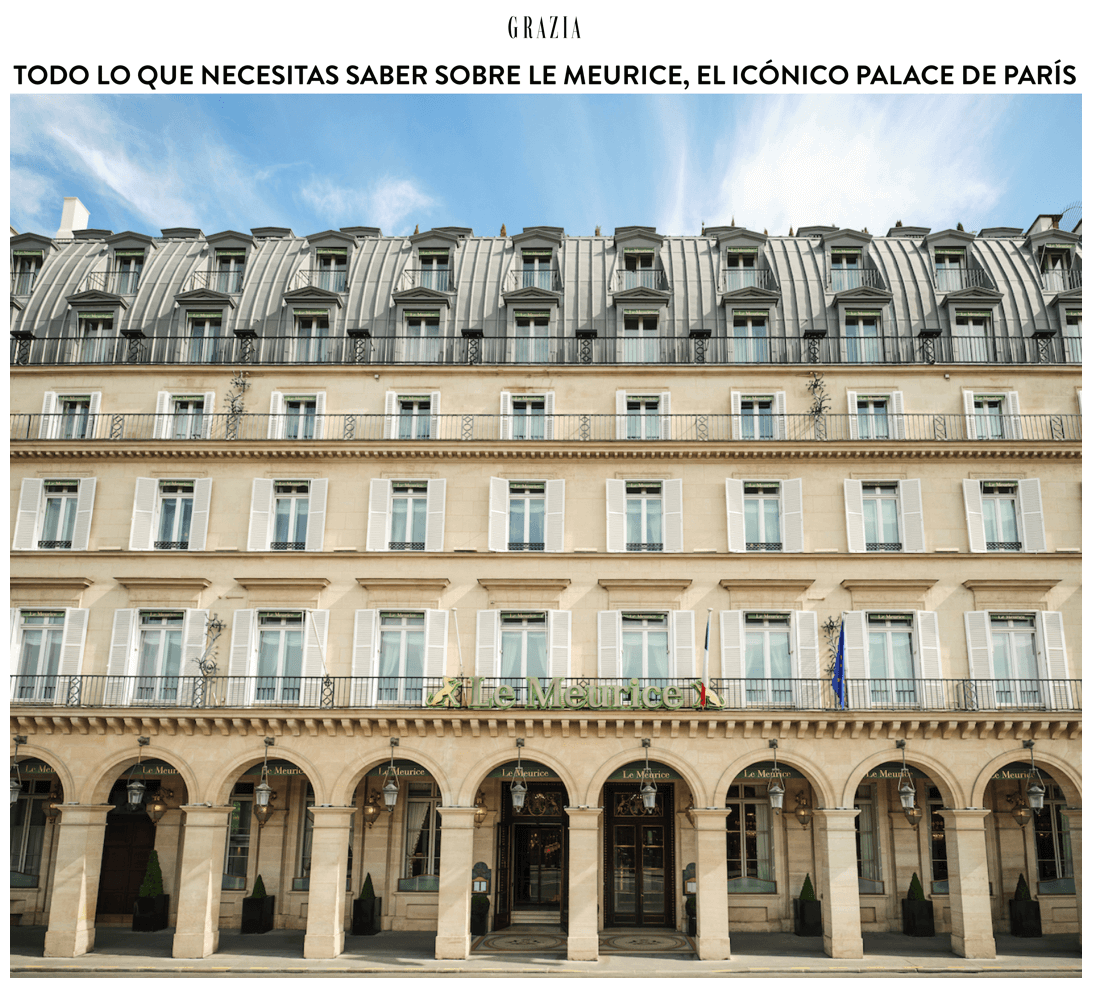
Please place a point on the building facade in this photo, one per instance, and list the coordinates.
(602, 516)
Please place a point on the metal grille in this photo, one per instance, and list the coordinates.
(764, 546)
(645, 547)
(406, 546)
(1004, 545)
(883, 545)
(172, 545)
(525, 546)
(49, 545)
(286, 545)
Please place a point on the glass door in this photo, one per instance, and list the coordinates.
(639, 860)
(537, 867)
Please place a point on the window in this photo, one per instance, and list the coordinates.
(423, 835)
(28, 830)
(170, 515)
(1052, 837)
(645, 515)
(999, 501)
(761, 513)
(230, 263)
(892, 673)
(749, 863)
(25, 266)
(880, 512)
(1054, 269)
(238, 847)
(523, 647)
(176, 510)
(972, 339)
(878, 417)
(646, 645)
(331, 266)
(536, 268)
(940, 867)
(280, 656)
(531, 344)
(406, 515)
(1018, 659)
(402, 657)
(527, 515)
(69, 417)
(638, 268)
(96, 334)
(159, 658)
(750, 342)
(514, 645)
(312, 336)
(884, 516)
(287, 515)
(297, 418)
(863, 336)
(204, 331)
(759, 418)
(1004, 515)
(127, 272)
(948, 266)
(770, 658)
(1073, 336)
(529, 418)
(411, 417)
(434, 268)
(642, 418)
(46, 645)
(866, 841)
(740, 268)
(54, 514)
(527, 509)
(846, 269)
(640, 341)
(152, 656)
(992, 417)
(767, 658)
(398, 656)
(276, 657)
(182, 417)
(764, 515)
(423, 336)
(892, 660)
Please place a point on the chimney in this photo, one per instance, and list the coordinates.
(1045, 222)
(74, 217)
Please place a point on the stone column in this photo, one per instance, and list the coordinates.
(71, 930)
(583, 937)
(197, 924)
(712, 898)
(168, 836)
(454, 896)
(1075, 831)
(326, 934)
(837, 877)
(967, 868)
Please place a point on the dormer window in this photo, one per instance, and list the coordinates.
(638, 268)
(948, 266)
(25, 266)
(229, 269)
(433, 263)
(330, 266)
(846, 269)
(741, 268)
(536, 265)
(1055, 264)
(127, 270)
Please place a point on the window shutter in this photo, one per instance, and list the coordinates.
(896, 417)
(929, 658)
(316, 623)
(26, 520)
(974, 514)
(391, 414)
(258, 535)
(365, 657)
(735, 411)
(856, 651)
(856, 523)
(609, 644)
(1053, 660)
(193, 641)
(665, 407)
(792, 515)
(735, 514)
(47, 427)
(979, 646)
(144, 511)
(434, 414)
(672, 493)
(554, 529)
(434, 515)
(682, 663)
(731, 628)
(162, 426)
(72, 642)
(617, 515)
(497, 536)
(277, 415)
(85, 504)
(436, 644)
(805, 661)
(1014, 429)
(199, 518)
(912, 535)
(506, 426)
(379, 511)
(207, 408)
(549, 415)
(559, 624)
(241, 656)
(317, 515)
(122, 637)
(969, 398)
(780, 415)
(1032, 516)
(852, 410)
(487, 643)
(620, 414)
(93, 413)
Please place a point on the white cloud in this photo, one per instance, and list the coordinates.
(35, 200)
(385, 204)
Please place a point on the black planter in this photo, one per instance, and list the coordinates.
(1025, 918)
(366, 917)
(918, 916)
(807, 918)
(479, 920)
(150, 913)
(258, 914)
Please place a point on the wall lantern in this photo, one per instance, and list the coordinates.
(480, 808)
(264, 795)
(373, 807)
(391, 781)
(775, 790)
(134, 790)
(906, 789)
(1035, 791)
(16, 781)
(802, 813)
(519, 788)
(648, 791)
(156, 805)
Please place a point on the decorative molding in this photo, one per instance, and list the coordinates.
(644, 593)
(525, 592)
(48, 590)
(774, 591)
(1010, 593)
(421, 592)
(163, 590)
(866, 593)
(291, 590)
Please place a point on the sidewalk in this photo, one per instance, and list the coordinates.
(408, 954)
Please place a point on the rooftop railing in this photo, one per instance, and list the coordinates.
(948, 280)
(568, 427)
(218, 281)
(677, 694)
(638, 278)
(431, 277)
(124, 282)
(1057, 280)
(22, 281)
(332, 280)
(538, 279)
(841, 279)
(746, 279)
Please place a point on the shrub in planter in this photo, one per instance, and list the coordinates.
(917, 911)
(150, 907)
(366, 910)
(258, 910)
(1025, 912)
(807, 912)
(689, 908)
(480, 910)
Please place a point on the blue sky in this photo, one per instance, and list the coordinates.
(311, 162)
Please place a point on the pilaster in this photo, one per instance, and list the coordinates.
(81, 831)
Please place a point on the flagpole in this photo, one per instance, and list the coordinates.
(706, 650)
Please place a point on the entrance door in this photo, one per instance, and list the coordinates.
(128, 840)
(639, 859)
(537, 867)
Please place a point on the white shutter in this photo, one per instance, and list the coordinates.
(162, 424)
(672, 495)
(276, 427)
(665, 408)
(72, 642)
(1014, 418)
(617, 515)
(856, 523)
(93, 413)
(317, 514)
(792, 515)
(974, 514)
(554, 525)
(434, 515)
(241, 656)
(505, 431)
(735, 412)
(896, 418)
(193, 641)
(47, 426)
(85, 504)
(365, 657)
(929, 658)
(852, 411)
(731, 629)
(488, 643)
(122, 637)
(1053, 658)
(805, 661)
(436, 643)
(559, 625)
(262, 498)
(26, 521)
(609, 644)
(779, 405)
(316, 623)
(199, 516)
(1031, 514)
(320, 415)
(144, 511)
(620, 414)
(979, 645)
(434, 414)
(735, 514)
(682, 636)
(856, 664)
(969, 398)
(391, 414)
(379, 512)
(549, 415)
(207, 407)
(497, 537)
(912, 535)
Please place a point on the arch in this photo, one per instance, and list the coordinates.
(691, 776)
(98, 792)
(953, 795)
(221, 789)
(465, 794)
(351, 776)
(820, 782)
(68, 784)
(1065, 775)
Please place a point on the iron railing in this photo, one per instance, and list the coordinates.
(539, 279)
(221, 282)
(948, 280)
(333, 280)
(124, 282)
(576, 427)
(407, 350)
(22, 281)
(1057, 280)
(841, 279)
(638, 278)
(431, 277)
(746, 279)
(329, 692)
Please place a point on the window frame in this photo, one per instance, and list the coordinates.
(262, 528)
(1053, 686)
(30, 514)
(414, 492)
(242, 799)
(1029, 509)
(430, 825)
(866, 830)
(641, 492)
(314, 346)
(37, 685)
(380, 514)
(764, 881)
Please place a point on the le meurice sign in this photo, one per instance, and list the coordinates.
(540, 694)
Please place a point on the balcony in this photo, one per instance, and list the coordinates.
(332, 280)
(219, 282)
(638, 279)
(329, 692)
(746, 279)
(123, 282)
(539, 279)
(22, 281)
(433, 277)
(558, 427)
(1058, 280)
(841, 279)
(949, 280)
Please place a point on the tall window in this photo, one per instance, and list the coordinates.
(75, 417)
(176, 508)
(757, 423)
(59, 514)
(948, 264)
(643, 418)
(127, 273)
(873, 416)
(28, 829)
(1014, 659)
(423, 831)
(846, 269)
(408, 516)
(866, 841)
(96, 331)
(299, 417)
(972, 337)
(434, 268)
(402, 657)
(414, 417)
(999, 501)
(331, 263)
(529, 418)
(740, 269)
(638, 269)
(892, 671)
(24, 271)
(229, 270)
(881, 516)
(527, 506)
(750, 342)
(940, 869)
(1073, 335)
(187, 417)
(312, 336)
(238, 847)
(861, 329)
(159, 655)
(280, 656)
(1052, 835)
(290, 516)
(762, 531)
(531, 343)
(523, 647)
(748, 839)
(767, 658)
(645, 646)
(988, 417)
(640, 342)
(423, 336)
(644, 517)
(204, 336)
(536, 268)
(40, 635)
(1054, 266)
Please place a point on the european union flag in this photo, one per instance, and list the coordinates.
(839, 686)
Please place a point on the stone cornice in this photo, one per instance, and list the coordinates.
(435, 586)
(172, 582)
(507, 585)
(670, 585)
(786, 586)
(293, 583)
(1014, 593)
(73, 583)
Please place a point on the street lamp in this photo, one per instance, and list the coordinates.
(906, 789)
(264, 795)
(157, 804)
(1035, 791)
(372, 808)
(390, 787)
(775, 790)
(518, 789)
(802, 813)
(134, 790)
(648, 790)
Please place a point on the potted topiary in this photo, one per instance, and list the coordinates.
(480, 910)
(807, 912)
(1025, 912)
(366, 910)
(150, 906)
(689, 908)
(917, 911)
(258, 910)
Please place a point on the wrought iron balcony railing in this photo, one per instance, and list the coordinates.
(124, 282)
(22, 281)
(220, 282)
(676, 694)
(746, 279)
(333, 280)
(947, 280)
(1057, 280)
(406, 350)
(638, 278)
(634, 428)
(841, 279)
(539, 279)
(431, 277)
